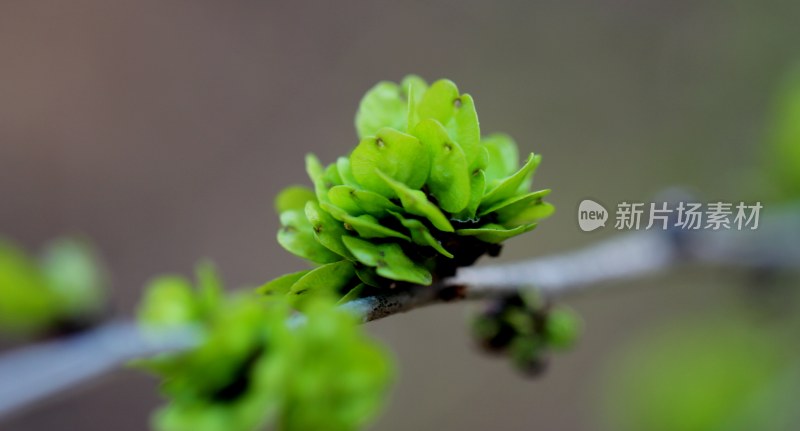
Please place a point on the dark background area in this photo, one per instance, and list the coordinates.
(163, 130)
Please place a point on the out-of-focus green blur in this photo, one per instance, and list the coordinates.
(715, 370)
(61, 292)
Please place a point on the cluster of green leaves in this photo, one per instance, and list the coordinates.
(64, 286)
(254, 367)
(422, 194)
(522, 327)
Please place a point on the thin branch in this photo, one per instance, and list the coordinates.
(774, 245)
(33, 373)
(628, 256)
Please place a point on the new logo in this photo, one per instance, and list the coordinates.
(591, 215)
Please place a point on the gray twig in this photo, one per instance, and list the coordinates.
(33, 373)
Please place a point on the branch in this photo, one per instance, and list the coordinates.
(42, 370)
(628, 256)
(33, 373)
(774, 245)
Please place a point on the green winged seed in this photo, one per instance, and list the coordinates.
(481, 161)
(282, 284)
(503, 156)
(365, 225)
(390, 105)
(357, 202)
(293, 198)
(389, 261)
(403, 157)
(365, 252)
(510, 186)
(344, 198)
(495, 233)
(382, 106)
(373, 203)
(514, 203)
(477, 186)
(412, 116)
(420, 234)
(369, 277)
(449, 178)
(346, 173)
(415, 202)
(368, 226)
(532, 213)
(464, 128)
(439, 101)
(332, 177)
(414, 88)
(336, 212)
(352, 294)
(332, 277)
(316, 172)
(297, 236)
(327, 230)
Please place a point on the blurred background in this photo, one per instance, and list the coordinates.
(163, 130)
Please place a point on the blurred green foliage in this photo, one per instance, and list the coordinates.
(259, 364)
(66, 285)
(716, 372)
(783, 145)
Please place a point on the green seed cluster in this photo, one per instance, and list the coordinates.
(254, 369)
(524, 329)
(421, 195)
